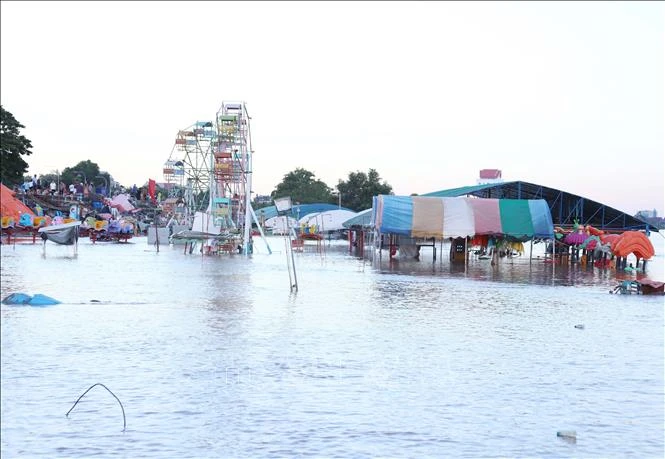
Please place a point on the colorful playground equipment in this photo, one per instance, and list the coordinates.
(111, 230)
(603, 249)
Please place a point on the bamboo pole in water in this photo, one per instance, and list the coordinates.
(530, 250)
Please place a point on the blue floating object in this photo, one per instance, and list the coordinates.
(17, 298)
(42, 300)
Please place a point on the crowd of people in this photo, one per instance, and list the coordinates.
(76, 190)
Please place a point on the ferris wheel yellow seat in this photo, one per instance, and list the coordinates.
(101, 225)
(7, 222)
(38, 222)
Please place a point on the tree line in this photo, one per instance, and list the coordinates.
(355, 193)
(301, 185)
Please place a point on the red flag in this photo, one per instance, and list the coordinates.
(152, 185)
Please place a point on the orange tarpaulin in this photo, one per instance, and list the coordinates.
(10, 206)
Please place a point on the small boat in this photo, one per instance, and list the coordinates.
(64, 234)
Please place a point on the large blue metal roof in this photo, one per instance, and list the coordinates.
(565, 207)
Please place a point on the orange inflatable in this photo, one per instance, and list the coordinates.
(594, 231)
(610, 239)
(634, 242)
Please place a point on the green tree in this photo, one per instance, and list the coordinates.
(357, 192)
(83, 171)
(302, 186)
(48, 178)
(13, 146)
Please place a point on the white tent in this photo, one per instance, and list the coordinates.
(278, 224)
(330, 220)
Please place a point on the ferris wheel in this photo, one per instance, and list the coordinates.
(189, 165)
(211, 165)
(231, 186)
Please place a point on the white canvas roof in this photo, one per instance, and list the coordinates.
(280, 221)
(330, 220)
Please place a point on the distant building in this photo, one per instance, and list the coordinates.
(651, 217)
(166, 185)
(489, 176)
(263, 199)
(647, 214)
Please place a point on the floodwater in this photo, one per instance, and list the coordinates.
(213, 357)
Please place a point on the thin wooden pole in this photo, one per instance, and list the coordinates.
(530, 251)
(553, 254)
(466, 253)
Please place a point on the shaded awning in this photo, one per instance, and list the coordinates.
(363, 218)
(419, 216)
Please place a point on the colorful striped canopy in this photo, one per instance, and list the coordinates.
(420, 216)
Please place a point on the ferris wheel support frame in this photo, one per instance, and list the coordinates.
(248, 189)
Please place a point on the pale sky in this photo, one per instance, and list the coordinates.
(569, 95)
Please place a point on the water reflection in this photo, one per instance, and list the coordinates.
(522, 269)
(215, 357)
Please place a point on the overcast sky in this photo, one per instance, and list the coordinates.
(564, 94)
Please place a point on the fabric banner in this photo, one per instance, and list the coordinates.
(458, 219)
(427, 217)
(541, 218)
(424, 217)
(486, 216)
(397, 213)
(515, 218)
(152, 185)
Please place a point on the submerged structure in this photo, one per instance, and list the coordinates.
(409, 222)
(498, 217)
(212, 164)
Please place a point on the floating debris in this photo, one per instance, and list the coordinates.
(124, 420)
(568, 435)
(580, 326)
(25, 299)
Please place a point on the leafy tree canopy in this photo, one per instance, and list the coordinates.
(13, 146)
(84, 171)
(88, 172)
(302, 186)
(357, 192)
